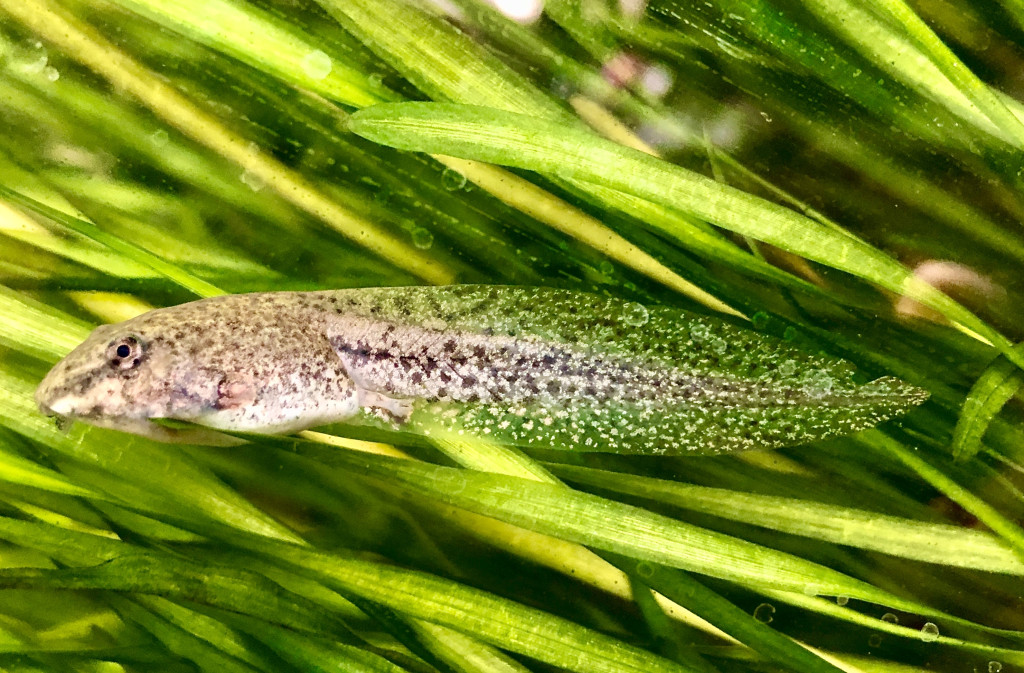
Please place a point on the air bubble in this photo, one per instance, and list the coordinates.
(760, 319)
(35, 67)
(890, 618)
(159, 137)
(316, 64)
(606, 268)
(645, 570)
(764, 613)
(718, 346)
(874, 640)
(995, 667)
(929, 632)
(818, 383)
(700, 333)
(422, 238)
(51, 73)
(452, 180)
(252, 181)
(842, 600)
(787, 367)
(635, 314)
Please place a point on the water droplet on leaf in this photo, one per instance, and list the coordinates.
(635, 314)
(452, 180)
(316, 64)
(764, 613)
(422, 238)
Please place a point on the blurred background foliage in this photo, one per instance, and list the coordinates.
(153, 151)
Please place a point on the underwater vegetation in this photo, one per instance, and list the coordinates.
(801, 201)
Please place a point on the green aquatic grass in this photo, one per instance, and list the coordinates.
(812, 168)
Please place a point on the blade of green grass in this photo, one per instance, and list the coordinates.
(143, 475)
(986, 513)
(126, 248)
(993, 389)
(683, 589)
(498, 621)
(486, 134)
(939, 543)
(616, 527)
(953, 68)
(83, 44)
(245, 32)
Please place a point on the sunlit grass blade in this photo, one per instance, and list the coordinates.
(919, 540)
(126, 248)
(993, 389)
(246, 32)
(167, 576)
(616, 527)
(465, 654)
(774, 646)
(889, 624)
(953, 68)
(500, 137)
(1006, 528)
(179, 641)
(498, 621)
(18, 470)
(84, 44)
(414, 43)
(125, 466)
(308, 654)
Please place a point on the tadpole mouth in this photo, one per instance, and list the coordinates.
(64, 423)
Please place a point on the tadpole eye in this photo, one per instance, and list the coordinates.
(125, 352)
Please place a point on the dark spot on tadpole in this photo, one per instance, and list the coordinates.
(449, 347)
(479, 351)
(417, 377)
(553, 387)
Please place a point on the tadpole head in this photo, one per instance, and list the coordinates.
(99, 377)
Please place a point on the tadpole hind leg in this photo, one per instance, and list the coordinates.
(389, 409)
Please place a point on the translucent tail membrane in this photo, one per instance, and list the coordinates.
(575, 371)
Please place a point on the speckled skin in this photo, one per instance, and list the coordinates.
(526, 366)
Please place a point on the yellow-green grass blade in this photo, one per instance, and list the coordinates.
(496, 136)
(939, 543)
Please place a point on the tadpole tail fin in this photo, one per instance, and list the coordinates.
(676, 429)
